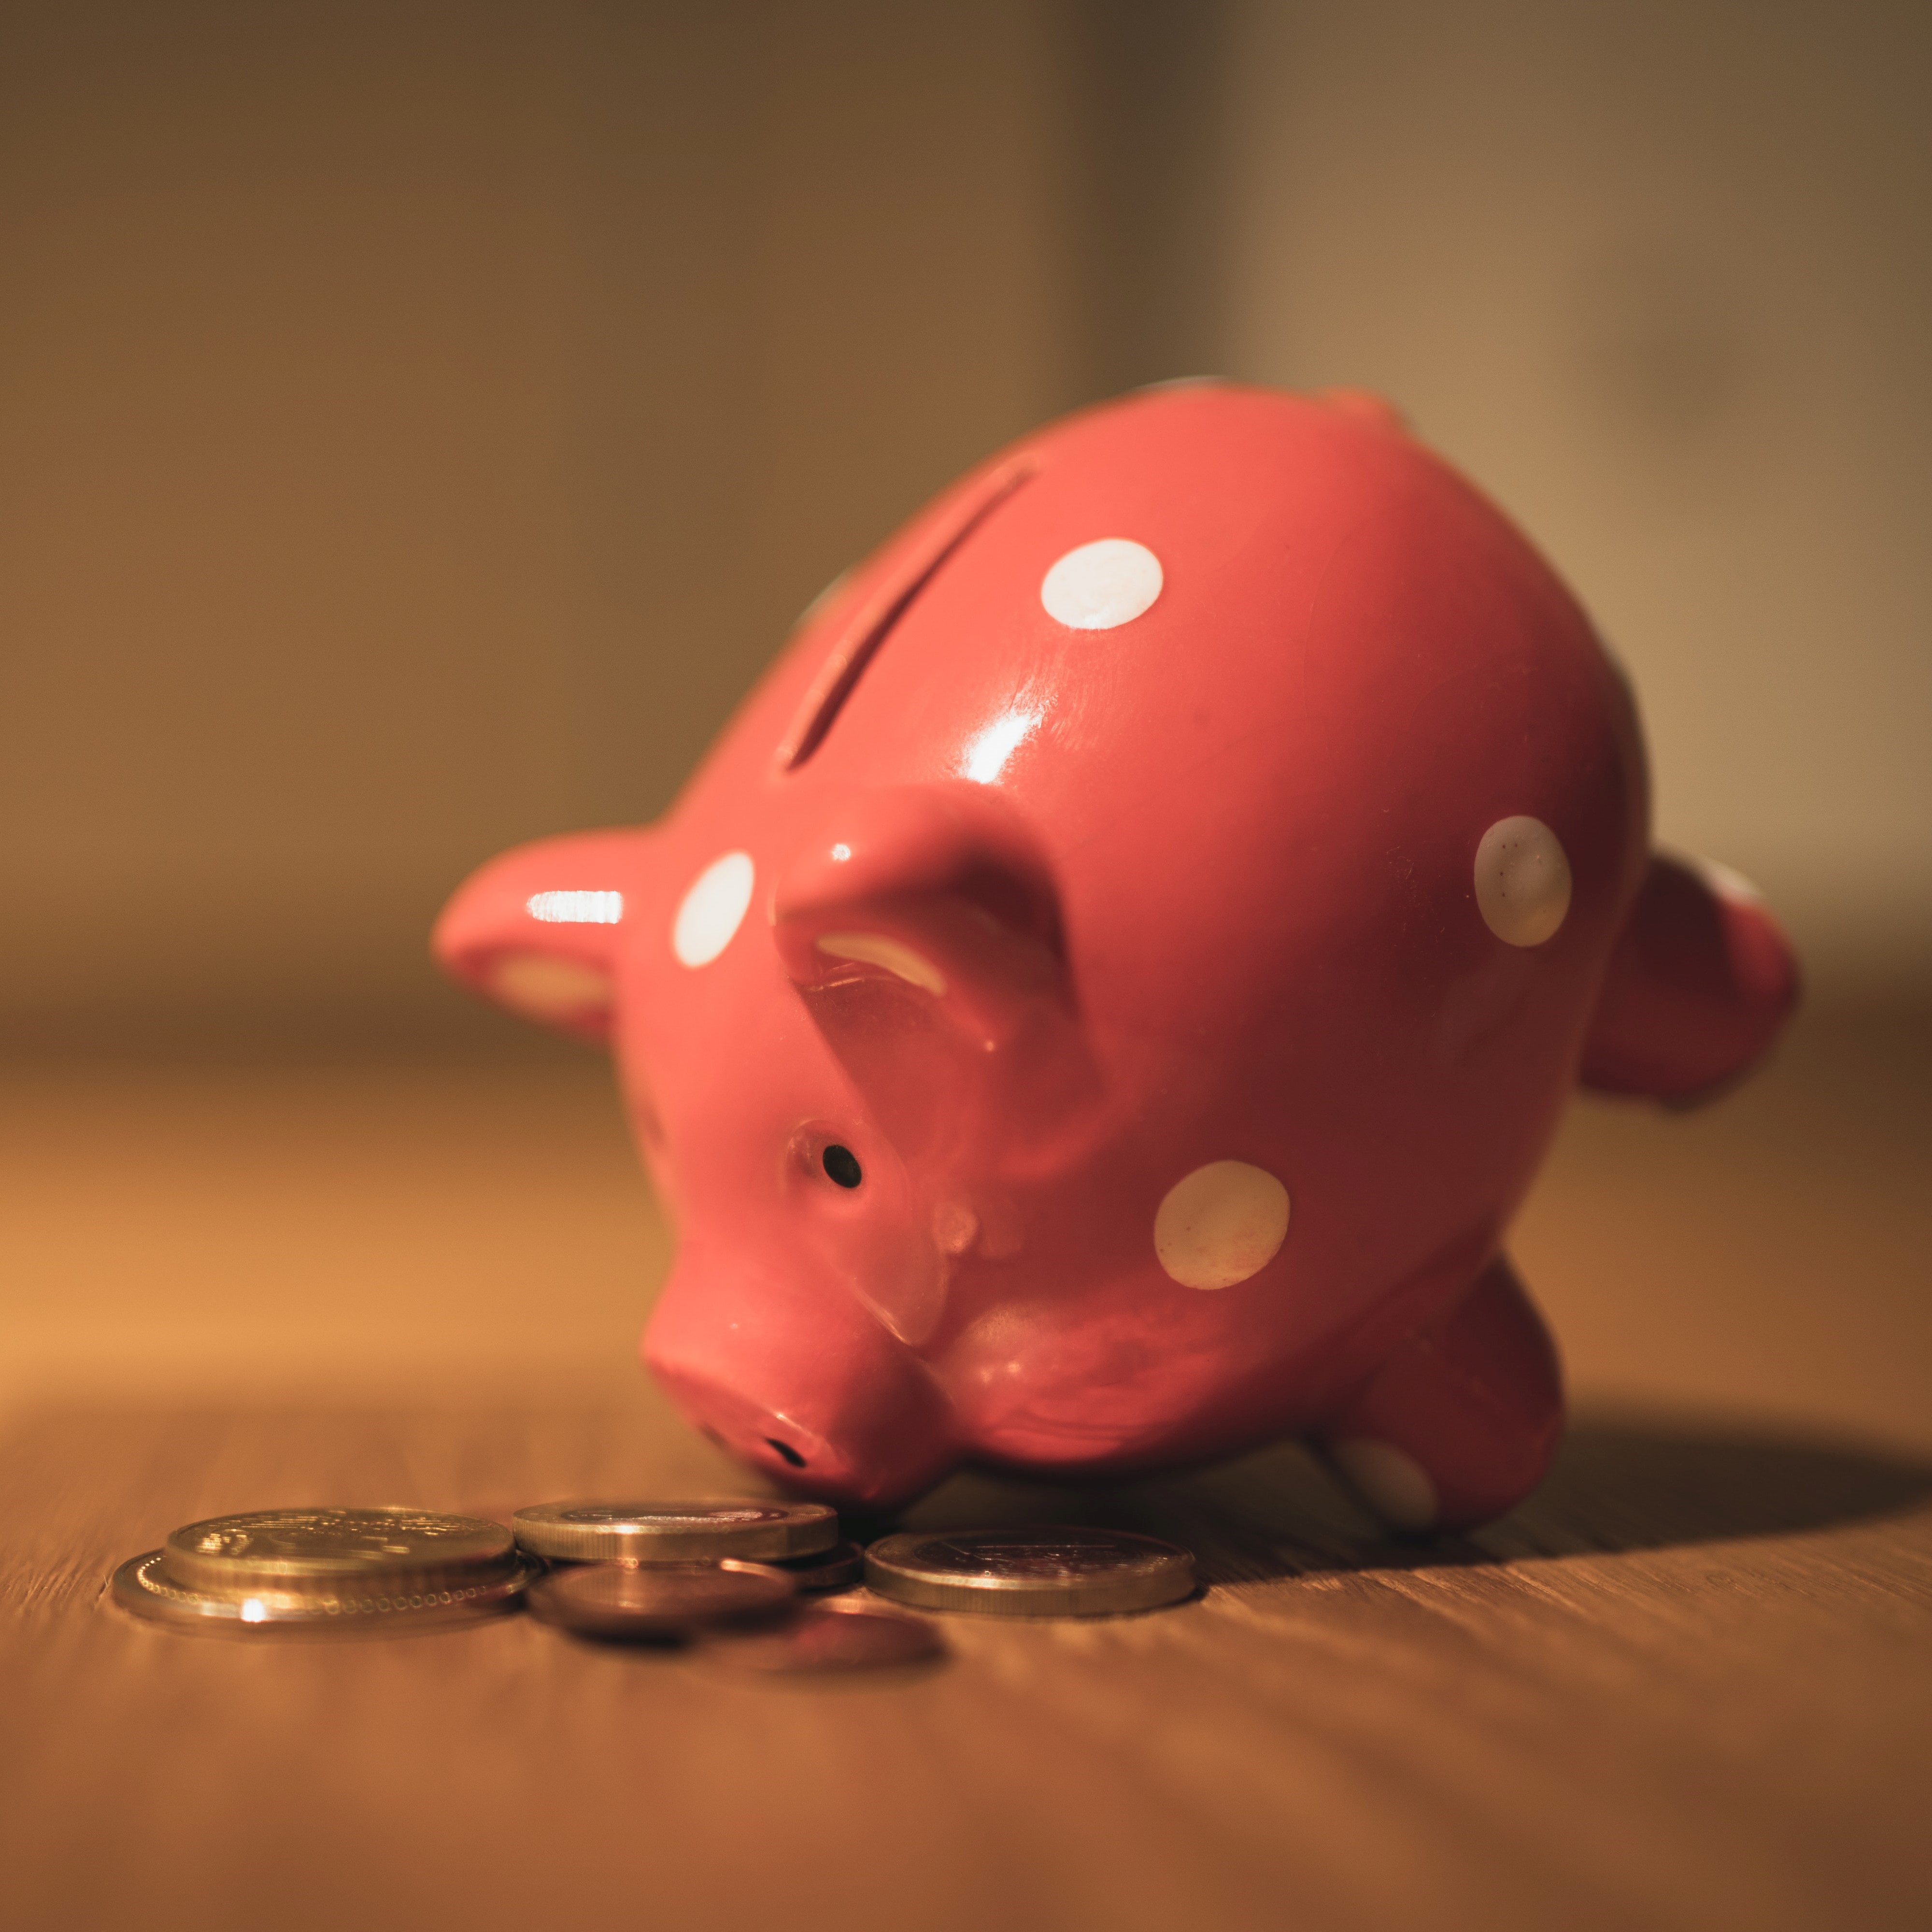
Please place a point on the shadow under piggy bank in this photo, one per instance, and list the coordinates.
(1621, 1483)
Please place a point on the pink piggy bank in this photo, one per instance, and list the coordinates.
(1101, 1001)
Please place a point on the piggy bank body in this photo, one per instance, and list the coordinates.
(1101, 1001)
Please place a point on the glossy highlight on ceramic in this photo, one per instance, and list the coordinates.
(1102, 1000)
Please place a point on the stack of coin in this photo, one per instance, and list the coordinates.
(326, 1569)
(752, 1529)
(662, 1571)
(724, 1571)
(1054, 1570)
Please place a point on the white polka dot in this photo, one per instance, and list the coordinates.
(1391, 1481)
(1102, 585)
(548, 989)
(712, 910)
(1522, 881)
(1220, 1224)
(876, 949)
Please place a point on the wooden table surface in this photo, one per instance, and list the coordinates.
(1689, 1684)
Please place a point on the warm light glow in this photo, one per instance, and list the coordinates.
(254, 1611)
(986, 755)
(576, 909)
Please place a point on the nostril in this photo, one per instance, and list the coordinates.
(842, 1165)
(785, 1449)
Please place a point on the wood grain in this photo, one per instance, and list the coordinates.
(1690, 1684)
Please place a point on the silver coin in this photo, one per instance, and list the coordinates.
(321, 1554)
(837, 1568)
(843, 1636)
(754, 1528)
(650, 1601)
(1035, 1570)
(143, 1586)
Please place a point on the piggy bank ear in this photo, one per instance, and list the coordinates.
(922, 927)
(538, 928)
(938, 887)
(1700, 983)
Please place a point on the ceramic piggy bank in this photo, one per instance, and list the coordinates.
(1100, 1003)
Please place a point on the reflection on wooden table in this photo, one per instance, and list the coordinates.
(1687, 1684)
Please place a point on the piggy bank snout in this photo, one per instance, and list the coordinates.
(795, 1377)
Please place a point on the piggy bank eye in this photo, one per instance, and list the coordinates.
(842, 1165)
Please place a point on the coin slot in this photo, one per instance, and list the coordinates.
(875, 620)
(842, 1165)
(785, 1449)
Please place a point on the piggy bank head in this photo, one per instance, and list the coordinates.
(1101, 1000)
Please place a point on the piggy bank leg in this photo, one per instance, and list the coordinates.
(1461, 1421)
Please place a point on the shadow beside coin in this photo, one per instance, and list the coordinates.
(845, 1640)
(874, 1646)
(1620, 1483)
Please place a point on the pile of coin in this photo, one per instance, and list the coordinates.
(729, 1574)
(725, 1573)
(327, 1569)
(755, 1529)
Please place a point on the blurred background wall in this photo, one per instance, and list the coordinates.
(419, 422)
(1659, 274)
